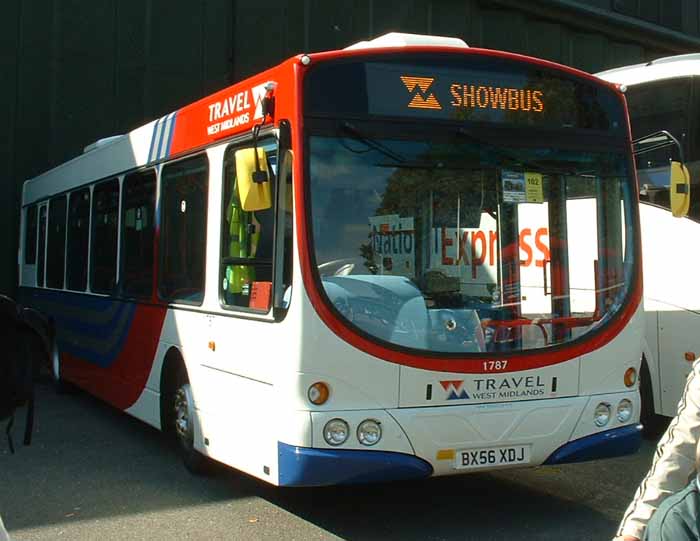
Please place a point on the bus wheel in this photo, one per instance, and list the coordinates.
(182, 418)
(654, 424)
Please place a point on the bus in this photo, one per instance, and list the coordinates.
(404, 259)
(661, 97)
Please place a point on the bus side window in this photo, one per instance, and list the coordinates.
(105, 215)
(138, 213)
(56, 252)
(42, 247)
(183, 230)
(78, 228)
(30, 229)
(246, 242)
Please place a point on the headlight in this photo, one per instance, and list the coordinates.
(336, 432)
(369, 432)
(601, 416)
(624, 410)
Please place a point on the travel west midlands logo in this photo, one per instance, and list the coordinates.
(419, 87)
(454, 390)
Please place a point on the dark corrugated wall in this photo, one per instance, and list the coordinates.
(77, 70)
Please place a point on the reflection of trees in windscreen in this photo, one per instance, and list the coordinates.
(565, 103)
(558, 103)
(435, 197)
(449, 184)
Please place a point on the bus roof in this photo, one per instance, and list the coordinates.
(397, 39)
(664, 68)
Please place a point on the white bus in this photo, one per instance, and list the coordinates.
(405, 259)
(661, 96)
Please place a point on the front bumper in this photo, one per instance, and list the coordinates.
(424, 442)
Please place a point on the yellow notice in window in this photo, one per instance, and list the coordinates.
(533, 187)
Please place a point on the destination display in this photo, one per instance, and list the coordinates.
(510, 93)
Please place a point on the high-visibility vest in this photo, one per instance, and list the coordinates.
(244, 235)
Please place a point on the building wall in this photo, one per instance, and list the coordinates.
(77, 70)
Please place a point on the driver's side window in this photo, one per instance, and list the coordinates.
(246, 240)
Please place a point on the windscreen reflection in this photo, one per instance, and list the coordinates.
(461, 246)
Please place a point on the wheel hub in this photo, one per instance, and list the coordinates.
(182, 414)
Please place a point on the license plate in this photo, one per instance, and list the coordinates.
(487, 457)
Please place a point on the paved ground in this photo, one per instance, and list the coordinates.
(95, 473)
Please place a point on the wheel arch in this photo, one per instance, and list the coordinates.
(650, 365)
(42, 325)
(172, 372)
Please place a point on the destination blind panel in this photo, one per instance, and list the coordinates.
(464, 89)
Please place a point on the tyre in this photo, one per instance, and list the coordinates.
(182, 419)
(654, 424)
(61, 385)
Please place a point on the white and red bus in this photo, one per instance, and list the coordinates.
(405, 259)
(662, 95)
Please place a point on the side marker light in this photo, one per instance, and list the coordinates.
(318, 393)
(630, 377)
(690, 356)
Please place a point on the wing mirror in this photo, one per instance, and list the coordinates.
(679, 186)
(253, 178)
(679, 178)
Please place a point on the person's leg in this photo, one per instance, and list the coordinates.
(677, 517)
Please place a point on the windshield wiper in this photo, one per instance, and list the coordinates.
(372, 144)
(514, 160)
(430, 166)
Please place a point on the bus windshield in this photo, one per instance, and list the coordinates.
(457, 248)
(447, 237)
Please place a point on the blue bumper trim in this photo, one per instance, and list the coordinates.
(306, 467)
(608, 444)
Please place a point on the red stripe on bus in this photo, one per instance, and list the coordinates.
(122, 383)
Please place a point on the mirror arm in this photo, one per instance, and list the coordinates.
(652, 148)
(267, 109)
(285, 137)
(671, 140)
(259, 176)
